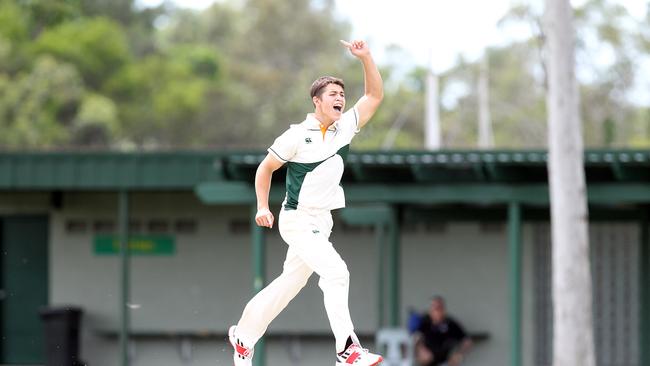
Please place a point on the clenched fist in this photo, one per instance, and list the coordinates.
(264, 218)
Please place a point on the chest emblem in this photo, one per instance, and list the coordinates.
(308, 140)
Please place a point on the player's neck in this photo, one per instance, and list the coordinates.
(324, 121)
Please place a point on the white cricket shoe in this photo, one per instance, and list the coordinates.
(357, 356)
(243, 356)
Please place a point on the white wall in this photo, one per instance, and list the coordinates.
(204, 286)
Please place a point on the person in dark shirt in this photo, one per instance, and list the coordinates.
(440, 340)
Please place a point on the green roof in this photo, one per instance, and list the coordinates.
(507, 166)
(186, 170)
(107, 171)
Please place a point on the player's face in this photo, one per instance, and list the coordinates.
(331, 103)
(437, 311)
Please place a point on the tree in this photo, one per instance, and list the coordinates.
(98, 46)
(161, 97)
(119, 10)
(516, 99)
(272, 51)
(573, 337)
(96, 124)
(609, 50)
(37, 107)
(171, 77)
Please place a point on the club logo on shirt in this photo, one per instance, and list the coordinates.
(308, 140)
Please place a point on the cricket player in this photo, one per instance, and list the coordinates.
(314, 151)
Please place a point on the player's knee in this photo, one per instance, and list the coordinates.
(341, 269)
(343, 277)
(338, 275)
(293, 280)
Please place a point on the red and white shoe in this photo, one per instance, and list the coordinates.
(243, 356)
(357, 356)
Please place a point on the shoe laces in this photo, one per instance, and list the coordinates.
(361, 348)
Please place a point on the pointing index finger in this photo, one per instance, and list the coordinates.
(346, 43)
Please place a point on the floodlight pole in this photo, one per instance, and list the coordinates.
(432, 113)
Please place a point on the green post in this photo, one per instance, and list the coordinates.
(259, 277)
(123, 227)
(644, 286)
(394, 234)
(380, 233)
(515, 255)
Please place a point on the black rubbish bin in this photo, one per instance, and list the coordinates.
(61, 325)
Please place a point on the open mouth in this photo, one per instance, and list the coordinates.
(338, 108)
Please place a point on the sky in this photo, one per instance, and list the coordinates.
(430, 32)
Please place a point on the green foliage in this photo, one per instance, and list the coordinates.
(97, 46)
(111, 74)
(14, 32)
(5, 54)
(37, 107)
(96, 124)
(203, 61)
(14, 21)
(160, 96)
(121, 11)
(49, 13)
(608, 116)
(400, 114)
(271, 53)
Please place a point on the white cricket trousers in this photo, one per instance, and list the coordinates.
(307, 235)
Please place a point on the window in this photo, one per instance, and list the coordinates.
(135, 226)
(76, 226)
(185, 226)
(104, 226)
(158, 226)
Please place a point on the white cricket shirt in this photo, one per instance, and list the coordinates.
(315, 161)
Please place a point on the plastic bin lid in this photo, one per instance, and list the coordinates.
(60, 310)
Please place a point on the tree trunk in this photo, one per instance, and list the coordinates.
(573, 340)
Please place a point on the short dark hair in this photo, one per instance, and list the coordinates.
(318, 86)
(439, 299)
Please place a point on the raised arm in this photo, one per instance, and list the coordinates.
(374, 86)
(263, 176)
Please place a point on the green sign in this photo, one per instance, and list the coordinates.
(138, 245)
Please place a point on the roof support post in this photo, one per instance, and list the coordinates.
(380, 232)
(259, 276)
(394, 270)
(515, 259)
(125, 275)
(644, 287)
